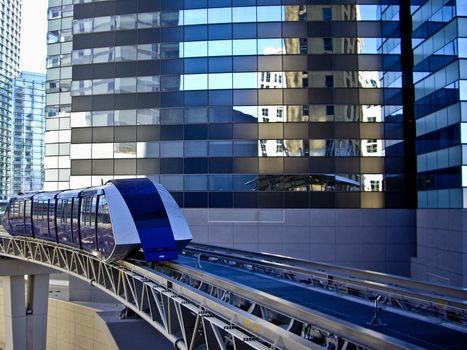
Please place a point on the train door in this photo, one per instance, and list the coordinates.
(106, 241)
(88, 223)
(64, 220)
(75, 205)
(27, 218)
(40, 219)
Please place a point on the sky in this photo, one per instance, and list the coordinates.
(33, 36)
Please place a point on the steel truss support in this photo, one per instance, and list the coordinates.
(195, 313)
(189, 320)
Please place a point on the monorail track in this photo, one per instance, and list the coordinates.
(437, 303)
(331, 320)
(224, 307)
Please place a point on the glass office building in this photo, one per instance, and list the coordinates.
(28, 132)
(440, 69)
(248, 105)
(287, 126)
(10, 23)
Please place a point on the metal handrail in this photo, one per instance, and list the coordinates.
(432, 293)
(142, 289)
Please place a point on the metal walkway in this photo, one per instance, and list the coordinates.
(237, 300)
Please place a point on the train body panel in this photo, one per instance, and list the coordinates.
(111, 220)
(151, 219)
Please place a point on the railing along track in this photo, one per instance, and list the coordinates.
(200, 316)
(436, 303)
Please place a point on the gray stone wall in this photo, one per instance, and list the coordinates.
(441, 246)
(375, 239)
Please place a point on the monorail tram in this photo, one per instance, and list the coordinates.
(112, 220)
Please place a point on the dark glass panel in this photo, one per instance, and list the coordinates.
(195, 132)
(102, 167)
(246, 165)
(220, 200)
(271, 200)
(220, 31)
(296, 200)
(80, 167)
(125, 101)
(268, 30)
(220, 114)
(220, 64)
(125, 133)
(171, 132)
(193, 33)
(147, 166)
(220, 165)
(171, 166)
(196, 65)
(103, 134)
(196, 98)
(125, 166)
(321, 200)
(196, 165)
(220, 97)
(244, 30)
(148, 133)
(246, 200)
(347, 200)
(81, 135)
(245, 64)
(196, 199)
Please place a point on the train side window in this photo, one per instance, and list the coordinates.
(75, 220)
(51, 218)
(88, 223)
(27, 217)
(16, 217)
(105, 237)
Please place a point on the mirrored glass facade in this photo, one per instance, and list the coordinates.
(439, 37)
(233, 104)
(10, 22)
(28, 133)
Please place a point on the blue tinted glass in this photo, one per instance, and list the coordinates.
(244, 30)
(196, 33)
(220, 182)
(196, 65)
(220, 31)
(220, 114)
(220, 98)
(196, 98)
(220, 64)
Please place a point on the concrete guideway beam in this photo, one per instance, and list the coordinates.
(25, 304)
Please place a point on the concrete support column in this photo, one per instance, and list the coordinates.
(25, 304)
(25, 309)
(15, 312)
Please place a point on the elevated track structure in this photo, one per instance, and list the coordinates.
(219, 298)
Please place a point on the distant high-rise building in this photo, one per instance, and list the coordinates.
(279, 126)
(27, 161)
(10, 24)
